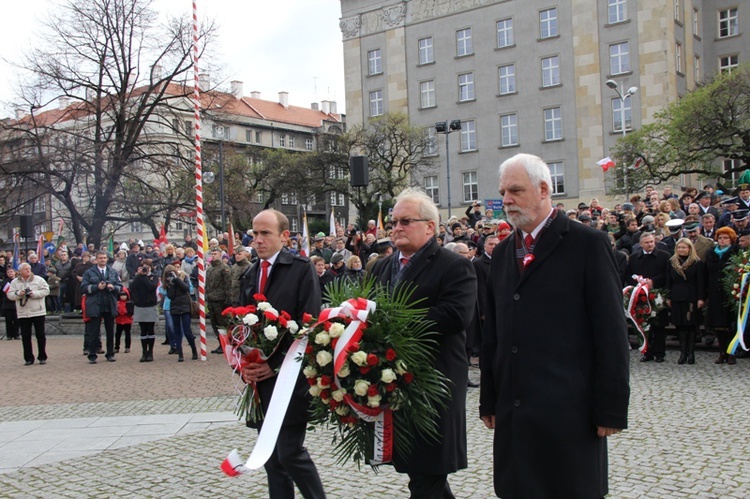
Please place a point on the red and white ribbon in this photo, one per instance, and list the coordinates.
(641, 288)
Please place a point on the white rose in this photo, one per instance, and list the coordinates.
(324, 358)
(322, 338)
(387, 376)
(271, 333)
(336, 330)
(321, 385)
(310, 372)
(374, 401)
(361, 386)
(273, 311)
(400, 367)
(315, 390)
(344, 371)
(360, 358)
(250, 319)
(292, 326)
(342, 410)
(263, 306)
(338, 395)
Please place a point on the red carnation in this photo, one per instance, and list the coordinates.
(282, 321)
(372, 359)
(408, 378)
(325, 394)
(309, 349)
(390, 354)
(250, 309)
(333, 403)
(390, 387)
(259, 297)
(270, 315)
(286, 315)
(372, 391)
(325, 380)
(228, 311)
(364, 370)
(642, 298)
(312, 381)
(352, 347)
(306, 318)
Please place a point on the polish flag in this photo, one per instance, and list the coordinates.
(638, 162)
(232, 465)
(606, 163)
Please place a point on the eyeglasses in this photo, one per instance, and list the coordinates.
(405, 222)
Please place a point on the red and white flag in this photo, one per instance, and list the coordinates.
(637, 163)
(606, 163)
(304, 245)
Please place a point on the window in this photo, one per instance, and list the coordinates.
(376, 103)
(221, 132)
(189, 128)
(548, 23)
(733, 165)
(178, 225)
(175, 125)
(551, 71)
(430, 138)
(248, 135)
(426, 54)
(505, 33)
(427, 93)
(258, 137)
(463, 42)
(293, 224)
(282, 140)
(260, 197)
(616, 12)
(308, 144)
(619, 58)
(696, 23)
(677, 10)
(336, 172)
(558, 177)
(135, 227)
(509, 130)
(553, 124)
(432, 189)
(291, 142)
(374, 62)
(337, 199)
(728, 63)
(466, 87)
(678, 57)
(618, 108)
(40, 204)
(468, 136)
(729, 24)
(471, 186)
(507, 79)
(293, 198)
(284, 198)
(697, 68)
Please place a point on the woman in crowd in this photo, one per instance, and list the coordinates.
(143, 294)
(719, 316)
(8, 307)
(177, 284)
(119, 266)
(685, 283)
(354, 272)
(677, 211)
(660, 220)
(79, 269)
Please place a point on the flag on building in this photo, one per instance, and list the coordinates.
(232, 242)
(304, 246)
(606, 163)
(332, 228)
(60, 238)
(637, 163)
(16, 251)
(162, 241)
(380, 219)
(40, 249)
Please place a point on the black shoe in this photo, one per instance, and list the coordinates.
(165, 342)
(473, 384)
(92, 361)
(127, 350)
(180, 358)
(172, 351)
(101, 351)
(29, 362)
(218, 350)
(659, 359)
(117, 349)
(647, 358)
(42, 362)
(111, 358)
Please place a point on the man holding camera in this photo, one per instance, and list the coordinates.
(29, 292)
(474, 214)
(101, 286)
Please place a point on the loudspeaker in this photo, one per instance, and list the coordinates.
(359, 175)
(27, 226)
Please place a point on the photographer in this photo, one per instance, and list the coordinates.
(143, 293)
(29, 291)
(178, 291)
(102, 286)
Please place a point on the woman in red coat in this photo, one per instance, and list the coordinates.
(124, 319)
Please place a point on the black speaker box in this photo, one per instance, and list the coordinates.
(27, 226)
(359, 175)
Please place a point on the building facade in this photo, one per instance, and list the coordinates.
(531, 77)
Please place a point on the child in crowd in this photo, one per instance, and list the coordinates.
(53, 298)
(124, 319)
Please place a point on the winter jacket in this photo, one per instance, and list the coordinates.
(32, 306)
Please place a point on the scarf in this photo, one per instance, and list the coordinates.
(721, 252)
(680, 264)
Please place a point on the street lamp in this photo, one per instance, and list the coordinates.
(209, 177)
(632, 90)
(444, 127)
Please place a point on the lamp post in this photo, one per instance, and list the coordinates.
(447, 129)
(209, 177)
(632, 90)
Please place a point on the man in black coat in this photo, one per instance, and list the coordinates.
(482, 269)
(554, 361)
(446, 286)
(101, 285)
(290, 285)
(651, 262)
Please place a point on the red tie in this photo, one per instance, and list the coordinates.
(264, 275)
(404, 261)
(528, 240)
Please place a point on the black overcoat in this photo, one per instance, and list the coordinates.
(293, 287)
(718, 313)
(447, 283)
(554, 363)
(100, 300)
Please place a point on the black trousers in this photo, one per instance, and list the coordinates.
(291, 464)
(422, 486)
(93, 328)
(11, 323)
(41, 339)
(215, 308)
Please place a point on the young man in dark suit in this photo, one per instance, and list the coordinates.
(554, 361)
(445, 284)
(289, 283)
(101, 285)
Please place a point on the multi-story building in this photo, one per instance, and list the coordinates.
(531, 77)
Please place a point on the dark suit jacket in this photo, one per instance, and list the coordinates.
(98, 300)
(447, 283)
(474, 333)
(292, 286)
(554, 363)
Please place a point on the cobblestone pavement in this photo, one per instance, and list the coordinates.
(687, 438)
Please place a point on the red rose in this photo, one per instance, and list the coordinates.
(270, 315)
(309, 349)
(372, 359)
(390, 354)
(312, 381)
(286, 315)
(352, 347)
(364, 370)
(325, 380)
(325, 394)
(306, 318)
(333, 343)
(334, 386)
(642, 298)
(333, 403)
(408, 378)
(651, 296)
(250, 309)
(390, 387)
(372, 391)
(259, 297)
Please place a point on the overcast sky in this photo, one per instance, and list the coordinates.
(272, 46)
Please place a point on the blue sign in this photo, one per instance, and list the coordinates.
(496, 205)
(49, 247)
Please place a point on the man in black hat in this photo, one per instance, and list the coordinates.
(320, 250)
(458, 233)
(704, 201)
(743, 241)
(134, 259)
(729, 205)
(701, 243)
(675, 233)
(384, 247)
(337, 266)
(739, 220)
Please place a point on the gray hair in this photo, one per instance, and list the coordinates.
(535, 167)
(23, 266)
(426, 206)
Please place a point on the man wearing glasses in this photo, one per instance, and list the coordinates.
(445, 283)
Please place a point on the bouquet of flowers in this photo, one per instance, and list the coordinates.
(642, 305)
(369, 364)
(254, 335)
(735, 280)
